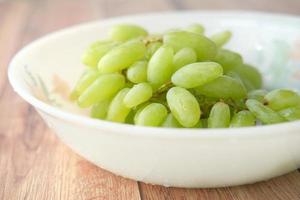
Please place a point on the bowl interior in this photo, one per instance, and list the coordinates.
(49, 67)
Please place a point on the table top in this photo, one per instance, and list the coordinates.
(35, 164)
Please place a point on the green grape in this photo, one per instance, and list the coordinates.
(137, 73)
(257, 94)
(96, 51)
(152, 115)
(140, 93)
(104, 87)
(242, 119)
(219, 116)
(85, 81)
(123, 32)
(263, 113)
(99, 110)
(223, 87)
(228, 59)
(184, 106)
(220, 39)
(199, 124)
(196, 28)
(160, 66)
(197, 74)
(130, 117)
(152, 48)
(184, 57)
(282, 98)
(118, 111)
(171, 122)
(139, 109)
(122, 56)
(204, 47)
(250, 76)
(291, 114)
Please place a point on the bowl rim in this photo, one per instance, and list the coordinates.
(143, 130)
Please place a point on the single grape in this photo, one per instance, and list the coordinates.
(219, 116)
(140, 93)
(291, 114)
(152, 48)
(196, 28)
(160, 66)
(228, 59)
(171, 122)
(137, 73)
(104, 87)
(152, 115)
(123, 32)
(257, 94)
(184, 106)
(223, 87)
(220, 39)
(118, 111)
(184, 57)
(242, 119)
(265, 114)
(204, 47)
(282, 98)
(99, 110)
(122, 57)
(197, 74)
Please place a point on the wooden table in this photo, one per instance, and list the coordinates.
(34, 164)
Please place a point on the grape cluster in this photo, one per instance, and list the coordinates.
(181, 78)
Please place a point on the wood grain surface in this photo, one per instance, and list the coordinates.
(34, 164)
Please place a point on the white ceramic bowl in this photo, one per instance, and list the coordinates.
(170, 157)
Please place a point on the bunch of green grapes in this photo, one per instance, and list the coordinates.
(181, 78)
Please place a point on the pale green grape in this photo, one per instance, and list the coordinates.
(220, 39)
(171, 122)
(137, 73)
(139, 109)
(99, 110)
(204, 47)
(228, 59)
(122, 57)
(96, 51)
(223, 87)
(242, 119)
(219, 116)
(257, 94)
(196, 28)
(197, 74)
(184, 106)
(291, 114)
(152, 115)
(140, 93)
(250, 76)
(184, 57)
(102, 88)
(85, 81)
(123, 32)
(265, 114)
(118, 111)
(152, 48)
(160, 66)
(282, 98)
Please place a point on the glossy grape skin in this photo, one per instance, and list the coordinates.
(123, 32)
(204, 47)
(183, 106)
(195, 28)
(219, 116)
(152, 48)
(242, 119)
(118, 111)
(108, 84)
(137, 73)
(99, 110)
(122, 57)
(257, 94)
(223, 87)
(171, 122)
(263, 113)
(228, 59)
(160, 66)
(197, 74)
(290, 114)
(220, 39)
(282, 98)
(138, 94)
(152, 115)
(184, 57)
